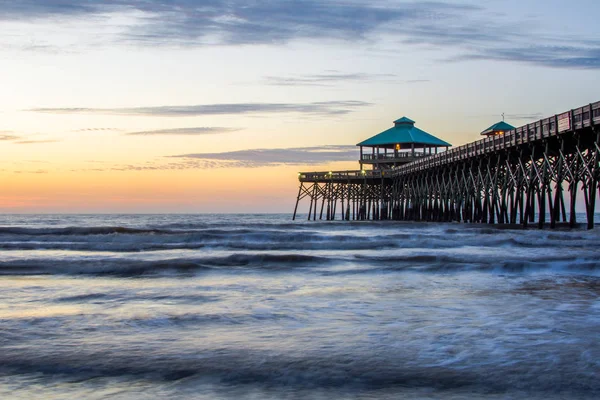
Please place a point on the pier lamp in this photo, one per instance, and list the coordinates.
(362, 171)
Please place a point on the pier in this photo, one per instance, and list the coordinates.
(531, 175)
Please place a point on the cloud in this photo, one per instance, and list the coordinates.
(39, 171)
(526, 117)
(251, 158)
(332, 77)
(325, 79)
(316, 108)
(471, 31)
(236, 21)
(511, 117)
(478, 36)
(9, 137)
(6, 136)
(35, 9)
(272, 157)
(35, 141)
(186, 131)
(97, 130)
(570, 57)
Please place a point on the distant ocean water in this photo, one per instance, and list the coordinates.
(260, 307)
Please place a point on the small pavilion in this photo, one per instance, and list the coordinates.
(497, 129)
(401, 144)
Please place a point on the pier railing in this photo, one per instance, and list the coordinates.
(578, 118)
(340, 175)
(391, 156)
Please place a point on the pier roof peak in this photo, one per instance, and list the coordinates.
(404, 120)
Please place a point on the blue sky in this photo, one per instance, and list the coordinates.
(95, 91)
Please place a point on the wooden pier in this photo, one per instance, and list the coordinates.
(528, 175)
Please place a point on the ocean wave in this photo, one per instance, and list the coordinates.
(226, 243)
(333, 264)
(123, 230)
(130, 267)
(73, 230)
(239, 366)
(139, 240)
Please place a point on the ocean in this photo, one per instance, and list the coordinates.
(260, 307)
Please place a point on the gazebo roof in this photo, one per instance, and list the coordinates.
(404, 131)
(498, 127)
(404, 120)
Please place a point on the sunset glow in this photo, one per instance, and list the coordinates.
(137, 106)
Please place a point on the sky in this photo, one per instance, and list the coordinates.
(182, 106)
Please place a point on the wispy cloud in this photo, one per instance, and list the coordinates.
(285, 156)
(33, 9)
(571, 57)
(19, 139)
(326, 79)
(511, 117)
(97, 130)
(6, 136)
(316, 108)
(251, 158)
(38, 171)
(36, 141)
(186, 131)
(331, 78)
(525, 117)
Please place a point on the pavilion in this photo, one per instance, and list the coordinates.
(405, 142)
(497, 129)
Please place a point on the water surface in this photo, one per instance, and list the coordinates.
(258, 306)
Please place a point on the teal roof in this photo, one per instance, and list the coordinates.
(498, 127)
(403, 132)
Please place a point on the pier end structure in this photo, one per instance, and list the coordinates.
(364, 190)
(398, 145)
